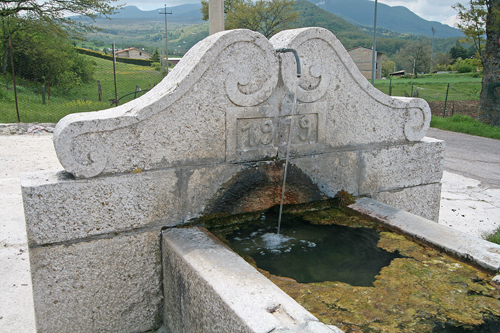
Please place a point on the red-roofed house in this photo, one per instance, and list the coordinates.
(132, 52)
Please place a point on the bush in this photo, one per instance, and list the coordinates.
(466, 65)
(156, 66)
(466, 68)
(140, 62)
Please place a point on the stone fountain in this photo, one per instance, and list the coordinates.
(211, 139)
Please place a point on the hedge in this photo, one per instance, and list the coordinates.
(140, 62)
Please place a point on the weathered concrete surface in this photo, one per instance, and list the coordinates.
(419, 200)
(60, 209)
(406, 176)
(469, 205)
(471, 156)
(20, 154)
(209, 288)
(211, 138)
(471, 183)
(392, 168)
(105, 285)
(469, 248)
(222, 102)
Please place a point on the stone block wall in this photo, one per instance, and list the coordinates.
(212, 138)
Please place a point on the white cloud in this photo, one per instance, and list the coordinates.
(451, 21)
(432, 10)
(152, 5)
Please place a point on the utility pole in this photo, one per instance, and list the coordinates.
(432, 48)
(215, 16)
(374, 50)
(166, 36)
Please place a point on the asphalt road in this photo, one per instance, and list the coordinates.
(471, 156)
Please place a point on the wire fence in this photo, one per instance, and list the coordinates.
(27, 96)
(460, 95)
(40, 98)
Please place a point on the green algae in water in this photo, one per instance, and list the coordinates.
(422, 291)
(309, 253)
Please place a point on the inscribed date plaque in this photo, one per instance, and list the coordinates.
(256, 133)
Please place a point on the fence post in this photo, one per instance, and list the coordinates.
(446, 100)
(49, 92)
(14, 77)
(114, 75)
(390, 87)
(43, 93)
(99, 90)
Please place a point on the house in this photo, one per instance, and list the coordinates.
(174, 61)
(362, 57)
(132, 52)
(398, 73)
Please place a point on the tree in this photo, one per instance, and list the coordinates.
(442, 60)
(480, 18)
(265, 16)
(472, 22)
(57, 9)
(388, 67)
(155, 56)
(458, 51)
(40, 55)
(414, 56)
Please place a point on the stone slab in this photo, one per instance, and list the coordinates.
(106, 285)
(358, 114)
(469, 248)
(395, 167)
(209, 288)
(333, 171)
(60, 209)
(423, 200)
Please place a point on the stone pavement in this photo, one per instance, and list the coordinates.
(19, 154)
(466, 205)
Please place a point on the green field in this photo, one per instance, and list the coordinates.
(463, 86)
(81, 99)
(85, 98)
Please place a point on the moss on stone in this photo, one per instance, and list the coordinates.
(412, 294)
(218, 220)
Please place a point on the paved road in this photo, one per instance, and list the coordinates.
(471, 156)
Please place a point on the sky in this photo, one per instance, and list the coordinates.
(432, 10)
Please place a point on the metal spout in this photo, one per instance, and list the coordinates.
(297, 59)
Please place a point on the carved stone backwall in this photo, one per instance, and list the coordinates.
(214, 131)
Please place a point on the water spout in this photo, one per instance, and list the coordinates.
(297, 59)
(290, 133)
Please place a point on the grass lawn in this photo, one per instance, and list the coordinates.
(463, 86)
(467, 125)
(81, 99)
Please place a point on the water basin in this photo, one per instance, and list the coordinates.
(350, 272)
(332, 253)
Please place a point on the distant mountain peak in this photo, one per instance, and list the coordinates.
(397, 18)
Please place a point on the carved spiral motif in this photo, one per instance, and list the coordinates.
(316, 73)
(253, 75)
(417, 123)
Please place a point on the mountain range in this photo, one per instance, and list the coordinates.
(357, 12)
(397, 18)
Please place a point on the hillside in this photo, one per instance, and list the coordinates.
(398, 18)
(311, 15)
(183, 14)
(146, 29)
